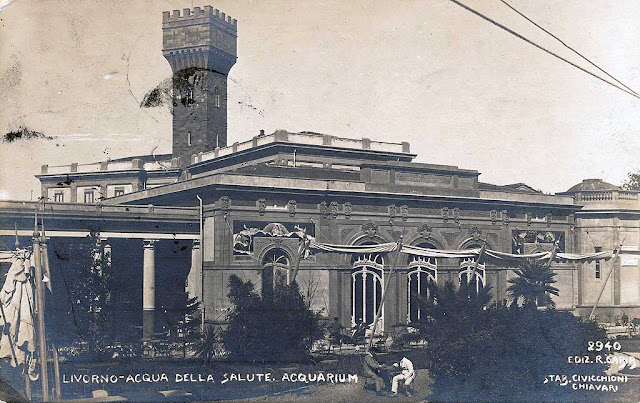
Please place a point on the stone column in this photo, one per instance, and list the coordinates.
(148, 289)
(194, 279)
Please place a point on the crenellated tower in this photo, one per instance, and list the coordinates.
(201, 47)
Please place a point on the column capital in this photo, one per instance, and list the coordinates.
(149, 243)
(196, 244)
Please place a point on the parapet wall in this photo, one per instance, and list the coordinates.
(197, 12)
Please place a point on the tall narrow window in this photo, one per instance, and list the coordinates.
(58, 197)
(275, 270)
(422, 275)
(470, 273)
(598, 249)
(88, 196)
(422, 272)
(189, 139)
(216, 91)
(366, 289)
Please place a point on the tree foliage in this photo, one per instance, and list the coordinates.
(210, 345)
(632, 182)
(90, 291)
(533, 286)
(480, 352)
(276, 326)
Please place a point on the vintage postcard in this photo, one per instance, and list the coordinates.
(336, 201)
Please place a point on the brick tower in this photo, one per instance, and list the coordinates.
(201, 47)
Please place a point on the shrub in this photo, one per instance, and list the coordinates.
(500, 353)
(210, 347)
(278, 326)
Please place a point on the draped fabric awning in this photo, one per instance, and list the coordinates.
(489, 255)
(440, 253)
(17, 341)
(379, 248)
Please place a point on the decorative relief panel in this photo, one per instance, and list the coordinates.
(505, 217)
(246, 232)
(225, 202)
(324, 209)
(291, 206)
(261, 204)
(531, 240)
(475, 233)
(493, 214)
(370, 228)
(412, 178)
(347, 210)
(333, 209)
(404, 212)
(392, 211)
(425, 231)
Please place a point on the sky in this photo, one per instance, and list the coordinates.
(460, 90)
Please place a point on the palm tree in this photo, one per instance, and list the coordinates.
(533, 284)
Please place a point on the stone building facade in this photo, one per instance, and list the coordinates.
(245, 207)
(609, 218)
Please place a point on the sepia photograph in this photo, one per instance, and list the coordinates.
(319, 201)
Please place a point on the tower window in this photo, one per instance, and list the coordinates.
(598, 249)
(217, 96)
(187, 97)
(58, 197)
(189, 139)
(119, 191)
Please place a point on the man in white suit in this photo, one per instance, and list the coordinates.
(407, 375)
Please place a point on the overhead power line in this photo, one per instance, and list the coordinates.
(517, 35)
(568, 47)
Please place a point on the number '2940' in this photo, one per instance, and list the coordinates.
(599, 346)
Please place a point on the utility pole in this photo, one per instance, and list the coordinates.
(384, 292)
(40, 304)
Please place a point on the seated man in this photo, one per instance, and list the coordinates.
(371, 369)
(407, 375)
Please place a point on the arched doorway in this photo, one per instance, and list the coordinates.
(367, 283)
(276, 265)
(423, 271)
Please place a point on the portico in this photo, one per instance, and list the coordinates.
(129, 236)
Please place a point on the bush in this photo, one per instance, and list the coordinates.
(500, 353)
(210, 347)
(275, 327)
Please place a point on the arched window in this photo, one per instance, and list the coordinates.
(423, 271)
(216, 92)
(275, 270)
(189, 139)
(470, 273)
(366, 288)
(187, 95)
